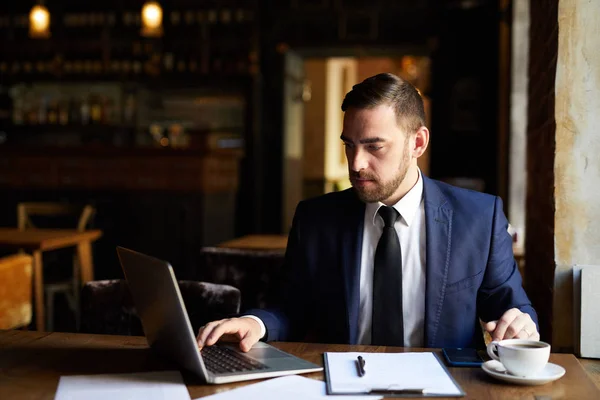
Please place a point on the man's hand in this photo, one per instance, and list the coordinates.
(513, 324)
(244, 330)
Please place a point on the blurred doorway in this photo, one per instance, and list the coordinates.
(314, 160)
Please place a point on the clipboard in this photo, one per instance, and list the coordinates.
(389, 375)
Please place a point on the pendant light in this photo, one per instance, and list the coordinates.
(152, 15)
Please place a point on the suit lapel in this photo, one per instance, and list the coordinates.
(438, 225)
(352, 236)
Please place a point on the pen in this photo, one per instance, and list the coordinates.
(360, 366)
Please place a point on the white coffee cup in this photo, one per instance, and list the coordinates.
(520, 357)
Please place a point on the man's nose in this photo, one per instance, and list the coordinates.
(357, 160)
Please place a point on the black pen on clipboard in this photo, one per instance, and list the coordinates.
(360, 366)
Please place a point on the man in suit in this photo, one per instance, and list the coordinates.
(398, 259)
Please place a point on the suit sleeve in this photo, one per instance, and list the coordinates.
(287, 319)
(502, 286)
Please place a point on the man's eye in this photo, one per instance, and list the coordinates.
(375, 148)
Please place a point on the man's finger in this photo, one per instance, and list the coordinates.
(504, 322)
(517, 328)
(236, 337)
(529, 332)
(531, 329)
(248, 341)
(227, 327)
(205, 331)
(490, 326)
(522, 335)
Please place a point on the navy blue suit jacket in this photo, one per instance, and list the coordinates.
(471, 272)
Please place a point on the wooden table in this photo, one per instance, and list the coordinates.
(37, 241)
(257, 242)
(41, 358)
(592, 367)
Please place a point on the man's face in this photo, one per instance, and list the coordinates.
(378, 153)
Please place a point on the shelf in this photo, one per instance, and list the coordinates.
(101, 128)
(226, 81)
(102, 151)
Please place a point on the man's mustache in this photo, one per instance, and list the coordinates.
(362, 175)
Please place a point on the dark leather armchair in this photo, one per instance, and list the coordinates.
(107, 307)
(254, 272)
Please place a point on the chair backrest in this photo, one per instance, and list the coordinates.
(255, 272)
(107, 307)
(48, 209)
(15, 291)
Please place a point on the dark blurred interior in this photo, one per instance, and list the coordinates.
(179, 135)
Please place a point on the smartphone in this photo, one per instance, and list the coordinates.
(462, 357)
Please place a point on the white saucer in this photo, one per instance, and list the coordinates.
(551, 372)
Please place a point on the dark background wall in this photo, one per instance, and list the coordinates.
(464, 134)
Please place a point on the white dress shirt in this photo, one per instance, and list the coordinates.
(411, 233)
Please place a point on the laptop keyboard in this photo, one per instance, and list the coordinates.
(218, 359)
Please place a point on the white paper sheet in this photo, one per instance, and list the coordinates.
(395, 371)
(293, 387)
(145, 385)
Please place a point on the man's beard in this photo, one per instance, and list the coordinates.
(381, 190)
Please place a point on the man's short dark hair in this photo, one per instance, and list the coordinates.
(389, 89)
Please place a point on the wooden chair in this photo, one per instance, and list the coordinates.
(15, 291)
(81, 217)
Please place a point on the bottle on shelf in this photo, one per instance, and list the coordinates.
(52, 112)
(32, 115)
(63, 112)
(85, 111)
(212, 16)
(168, 61)
(189, 18)
(95, 110)
(129, 109)
(175, 18)
(109, 113)
(201, 17)
(225, 16)
(17, 112)
(43, 111)
(74, 112)
(181, 66)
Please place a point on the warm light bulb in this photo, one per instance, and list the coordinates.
(152, 15)
(39, 21)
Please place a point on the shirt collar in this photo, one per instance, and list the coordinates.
(407, 206)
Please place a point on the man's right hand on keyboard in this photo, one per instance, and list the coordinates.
(246, 330)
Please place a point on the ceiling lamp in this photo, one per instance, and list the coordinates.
(39, 22)
(152, 15)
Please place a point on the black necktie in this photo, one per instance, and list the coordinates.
(388, 326)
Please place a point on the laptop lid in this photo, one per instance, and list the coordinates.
(159, 304)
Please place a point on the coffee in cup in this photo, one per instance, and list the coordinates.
(520, 357)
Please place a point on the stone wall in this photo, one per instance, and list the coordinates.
(576, 164)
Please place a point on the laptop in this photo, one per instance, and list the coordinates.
(156, 295)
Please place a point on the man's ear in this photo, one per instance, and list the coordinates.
(421, 142)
